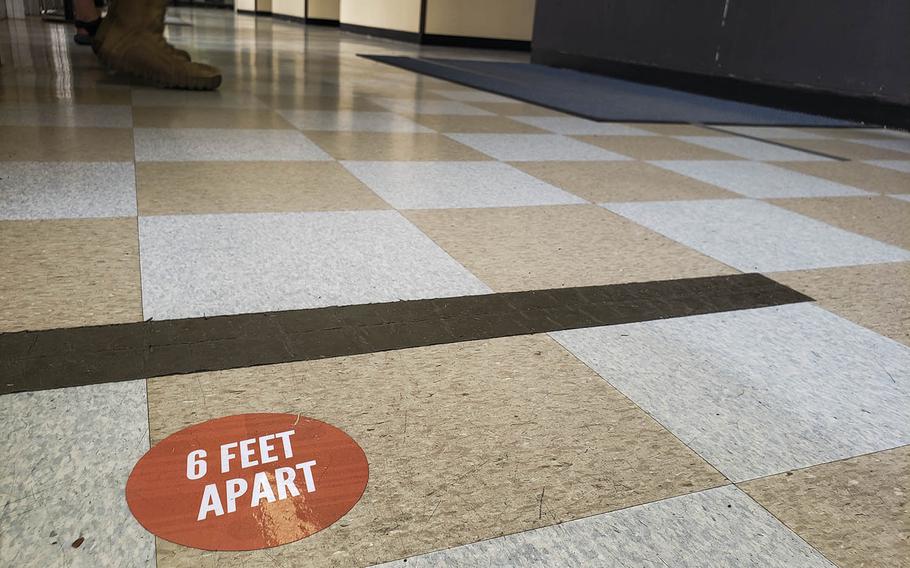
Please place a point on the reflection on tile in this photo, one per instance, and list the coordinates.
(196, 99)
(776, 132)
(67, 273)
(472, 96)
(875, 216)
(575, 125)
(534, 147)
(901, 197)
(621, 181)
(49, 144)
(758, 180)
(74, 449)
(359, 121)
(517, 109)
(854, 511)
(529, 248)
(98, 116)
(846, 149)
(896, 165)
(898, 144)
(759, 392)
(419, 106)
(864, 176)
(719, 527)
(680, 130)
(876, 296)
(214, 117)
(279, 261)
(393, 146)
(336, 101)
(655, 148)
(66, 190)
(462, 440)
(756, 236)
(80, 96)
(249, 187)
(755, 150)
(489, 124)
(200, 144)
(435, 185)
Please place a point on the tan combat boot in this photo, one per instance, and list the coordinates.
(131, 40)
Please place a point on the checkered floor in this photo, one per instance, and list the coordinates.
(769, 437)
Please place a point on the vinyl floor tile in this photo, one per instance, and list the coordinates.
(337, 101)
(529, 248)
(74, 449)
(846, 149)
(357, 121)
(166, 188)
(206, 144)
(896, 165)
(395, 146)
(621, 181)
(66, 115)
(853, 133)
(876, 296)
(66, 190)
(517, 108)
(206, 117)
(67, 273)
(875, 216)
(757, 236)
(857, 174)
(755, 150)
(759, 392)
(247, 263)
(898, 144)
(655, 148)
(484, 124)
(222, 98)
(440, 185)
(574, 125)
(719, 527)
(534, 147)
(472, 96)
(49, 144)
(855, 511)
(49, 95)
(758, 179)
(462, 440)
(680, 130)
(410, 106)
(775, 132)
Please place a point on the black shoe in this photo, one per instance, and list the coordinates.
(91, 28)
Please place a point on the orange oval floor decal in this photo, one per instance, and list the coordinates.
(246, 482)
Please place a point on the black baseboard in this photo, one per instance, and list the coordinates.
(813, 101)
(322, 22)
(411, 37)
(287, 18)
(476, 42)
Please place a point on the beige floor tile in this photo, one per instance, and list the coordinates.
(655, 148)
(14, 94)
(864, 176)
(311, 102)
(876, 296)
(52, 144)
(600, 182)
(880, 217)
(393, 146)
(855, 512)
(485, 124)
(526, 248)
(68, 273)
(517, 109)
(845, 149)
(463, 441)
(166, 188)
(194, 117)
(679, 129)
(848, 133)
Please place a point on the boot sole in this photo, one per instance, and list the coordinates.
(196, 84)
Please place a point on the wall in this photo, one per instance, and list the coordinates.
(845, 47)
(401, 15)
(263, 5)
(324, 9)
(499, 19)
(248, 5)
(288, 7)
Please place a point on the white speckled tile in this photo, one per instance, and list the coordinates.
(356, 121)
(899, 144)
(440, 185)
(759, 392)
(534, 147)
(67, 190)
(579, 126)
(195, 265)
(472, 96)
(425, 106)
(751, 149)
(758, 180)
(101, 116)
(904, 197)
(66, 456)
(201, 144)
(720, 527)
(780, 132)
(754, 236)
(899, 165)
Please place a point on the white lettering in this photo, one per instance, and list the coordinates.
(195, 465)
(227, 456)
(211, 502)
(262, 489)
(265, 448)
(286, 442)
(234, 489)
(284, 479)
(246, 453)
(308, 474)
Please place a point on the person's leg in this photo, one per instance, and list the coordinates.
(88, 17)
(131, 40)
